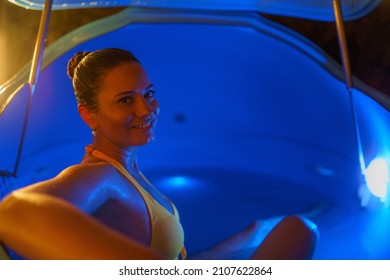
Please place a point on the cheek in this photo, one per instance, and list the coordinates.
(127, 119)
(156, 107)
(115, 120)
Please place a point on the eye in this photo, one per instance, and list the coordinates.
(126, 99)
(150, 94)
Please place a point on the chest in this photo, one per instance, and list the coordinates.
(141, 189)
(129, 189)
(131, 209)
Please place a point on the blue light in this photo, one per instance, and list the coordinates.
(377, 177)
(178, 182)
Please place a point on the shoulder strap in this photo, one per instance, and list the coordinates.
(125, 173)
(121, 169)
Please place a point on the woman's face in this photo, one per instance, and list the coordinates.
(128, 110)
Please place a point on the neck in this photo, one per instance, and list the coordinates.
(125, 156)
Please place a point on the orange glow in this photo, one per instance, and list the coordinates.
(3, 52)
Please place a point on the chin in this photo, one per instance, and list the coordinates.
(142, 142)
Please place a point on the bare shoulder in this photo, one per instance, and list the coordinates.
(87, 172)
(86, 186)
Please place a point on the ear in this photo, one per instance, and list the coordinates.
(88, 116)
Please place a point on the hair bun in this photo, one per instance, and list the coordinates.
(74, 62)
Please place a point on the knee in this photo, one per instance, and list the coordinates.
(293, 237)
(302, 234)
(302, 226)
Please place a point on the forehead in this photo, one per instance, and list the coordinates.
(126, 77)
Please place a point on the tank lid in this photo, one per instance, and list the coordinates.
(309, 9)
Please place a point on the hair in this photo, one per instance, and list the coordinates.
(88, 69)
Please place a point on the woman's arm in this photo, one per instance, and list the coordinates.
(41, 226)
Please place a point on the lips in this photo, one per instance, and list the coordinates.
(148, 124)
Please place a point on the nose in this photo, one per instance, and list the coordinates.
(143, 107)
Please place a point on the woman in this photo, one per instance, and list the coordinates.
(132, 220)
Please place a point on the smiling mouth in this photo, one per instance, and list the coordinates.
(149, 124)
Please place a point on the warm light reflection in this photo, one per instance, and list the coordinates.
(2, 58)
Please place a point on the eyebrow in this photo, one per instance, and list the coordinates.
(132, 91)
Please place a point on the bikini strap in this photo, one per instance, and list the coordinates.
(124, 172)
(121, 169)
